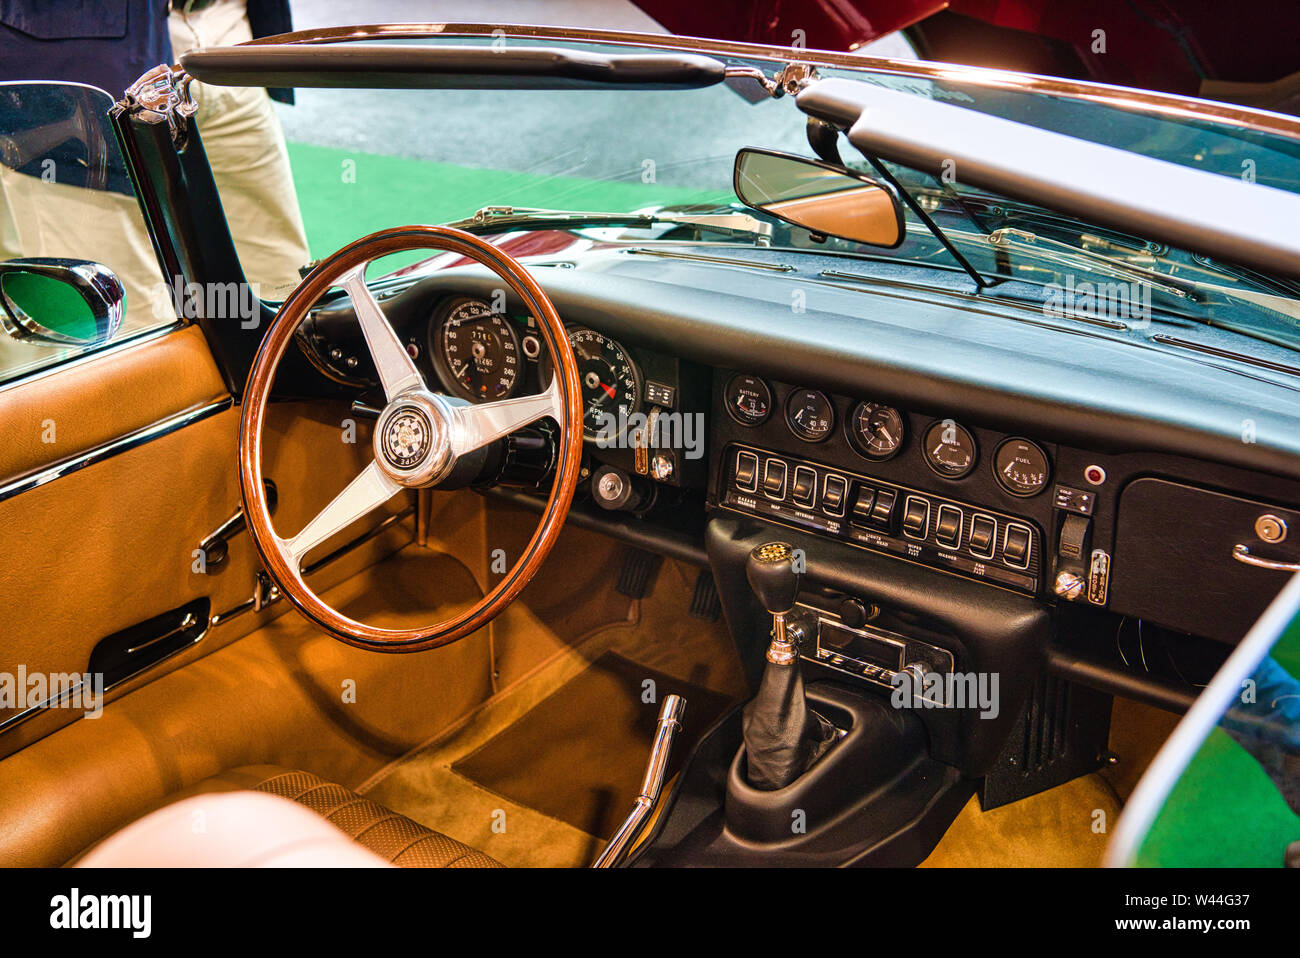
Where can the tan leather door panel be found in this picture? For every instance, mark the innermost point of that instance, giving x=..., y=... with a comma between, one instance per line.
x=100, y=548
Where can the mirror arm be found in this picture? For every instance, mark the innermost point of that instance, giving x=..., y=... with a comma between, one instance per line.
x=981, y=282
x=822, y=137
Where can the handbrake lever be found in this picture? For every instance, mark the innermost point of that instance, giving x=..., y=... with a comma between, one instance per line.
x=670, y=721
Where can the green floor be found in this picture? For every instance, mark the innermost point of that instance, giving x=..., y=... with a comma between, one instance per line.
x=347, y=194
x=1225, y=810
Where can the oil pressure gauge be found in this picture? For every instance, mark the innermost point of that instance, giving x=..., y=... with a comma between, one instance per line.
x=1021, y=467
x=809, y=414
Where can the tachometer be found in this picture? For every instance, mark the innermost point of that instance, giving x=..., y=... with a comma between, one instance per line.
x=478, y=350
x=1021, y=467
x=875, y=431
x=611, y=383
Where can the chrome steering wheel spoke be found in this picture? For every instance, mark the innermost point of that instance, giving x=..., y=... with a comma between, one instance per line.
x=477, y=426
x=397, y=370
x=367, y=492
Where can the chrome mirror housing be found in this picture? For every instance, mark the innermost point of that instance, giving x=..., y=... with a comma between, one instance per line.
x=60, y=302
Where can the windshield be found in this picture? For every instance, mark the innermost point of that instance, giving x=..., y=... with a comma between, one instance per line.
x=365, y=160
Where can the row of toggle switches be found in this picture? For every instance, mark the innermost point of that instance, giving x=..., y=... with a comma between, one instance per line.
x=773, y=476
x=877, y=508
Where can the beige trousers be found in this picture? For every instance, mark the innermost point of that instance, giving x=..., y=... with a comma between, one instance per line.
x=246, y=151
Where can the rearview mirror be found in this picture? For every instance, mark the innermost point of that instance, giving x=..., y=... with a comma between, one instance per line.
x=60, y=302
x=824, y=199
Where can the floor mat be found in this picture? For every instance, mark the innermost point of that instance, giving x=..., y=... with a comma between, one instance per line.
x=579, y=755
x=1063, y=827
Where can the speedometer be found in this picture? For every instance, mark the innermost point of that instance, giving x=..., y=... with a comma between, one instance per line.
x=611, y=383
x=478, y=350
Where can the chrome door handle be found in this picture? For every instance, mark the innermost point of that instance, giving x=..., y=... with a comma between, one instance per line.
x=1242, y=554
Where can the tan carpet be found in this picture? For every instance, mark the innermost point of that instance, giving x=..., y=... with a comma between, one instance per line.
x=1053, y=829
x=654, y=632
x=580, y=755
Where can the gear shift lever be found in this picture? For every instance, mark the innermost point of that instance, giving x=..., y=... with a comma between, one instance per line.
x=783, y=737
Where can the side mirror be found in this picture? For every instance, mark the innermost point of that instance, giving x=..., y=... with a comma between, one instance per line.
x=60, y=302
x=824, y=199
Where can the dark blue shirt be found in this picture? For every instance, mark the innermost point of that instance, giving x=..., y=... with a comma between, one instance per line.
x=106, y=43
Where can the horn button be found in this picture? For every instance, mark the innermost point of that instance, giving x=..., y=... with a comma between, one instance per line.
x=412, y=439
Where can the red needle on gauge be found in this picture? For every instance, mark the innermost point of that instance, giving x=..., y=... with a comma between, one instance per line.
x=608, y=391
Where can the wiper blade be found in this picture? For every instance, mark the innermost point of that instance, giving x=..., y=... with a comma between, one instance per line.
x=497, y=217
x=1064, y=254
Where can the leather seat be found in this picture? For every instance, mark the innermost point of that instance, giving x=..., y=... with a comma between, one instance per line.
x=390, y=837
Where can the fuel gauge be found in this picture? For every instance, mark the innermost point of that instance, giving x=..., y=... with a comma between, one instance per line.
x=1021, y=467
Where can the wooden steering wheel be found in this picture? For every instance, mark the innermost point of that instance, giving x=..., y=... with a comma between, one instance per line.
x=419, y=437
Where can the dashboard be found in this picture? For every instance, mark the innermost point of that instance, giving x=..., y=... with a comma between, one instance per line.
x=938, y=431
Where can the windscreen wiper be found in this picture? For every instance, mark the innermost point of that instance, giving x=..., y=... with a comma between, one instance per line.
x=491, y=218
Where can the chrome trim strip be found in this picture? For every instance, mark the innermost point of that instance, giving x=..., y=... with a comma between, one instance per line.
x=53, y=703
x=108, y=450
x=1226, y=354
x=716, y=260
x=1167, y=104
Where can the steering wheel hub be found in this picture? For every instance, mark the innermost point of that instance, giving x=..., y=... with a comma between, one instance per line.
x=412, y=439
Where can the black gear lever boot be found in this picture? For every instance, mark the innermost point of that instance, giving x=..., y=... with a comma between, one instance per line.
x=783, y=737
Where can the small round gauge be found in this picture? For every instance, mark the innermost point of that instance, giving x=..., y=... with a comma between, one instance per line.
x=875, y=431
x=949, y=449
x=1021, y=467
x=809, y=414
x=747, y=400
x=478, y=350
x=611, y=383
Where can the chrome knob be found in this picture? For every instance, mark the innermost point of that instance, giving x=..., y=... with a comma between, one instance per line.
x=1069, y=585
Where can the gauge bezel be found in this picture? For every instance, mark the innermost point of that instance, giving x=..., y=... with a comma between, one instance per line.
x=997, y=473
x=436, y=344
x=736, y=417
x=638, y=380
x=830, y=428
x=855, y=440
x=925, y=450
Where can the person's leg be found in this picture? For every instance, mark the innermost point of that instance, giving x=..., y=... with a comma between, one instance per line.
x=245, y=147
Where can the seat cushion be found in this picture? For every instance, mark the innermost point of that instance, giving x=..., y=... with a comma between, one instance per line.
x=250, y=833
x=393, y=837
